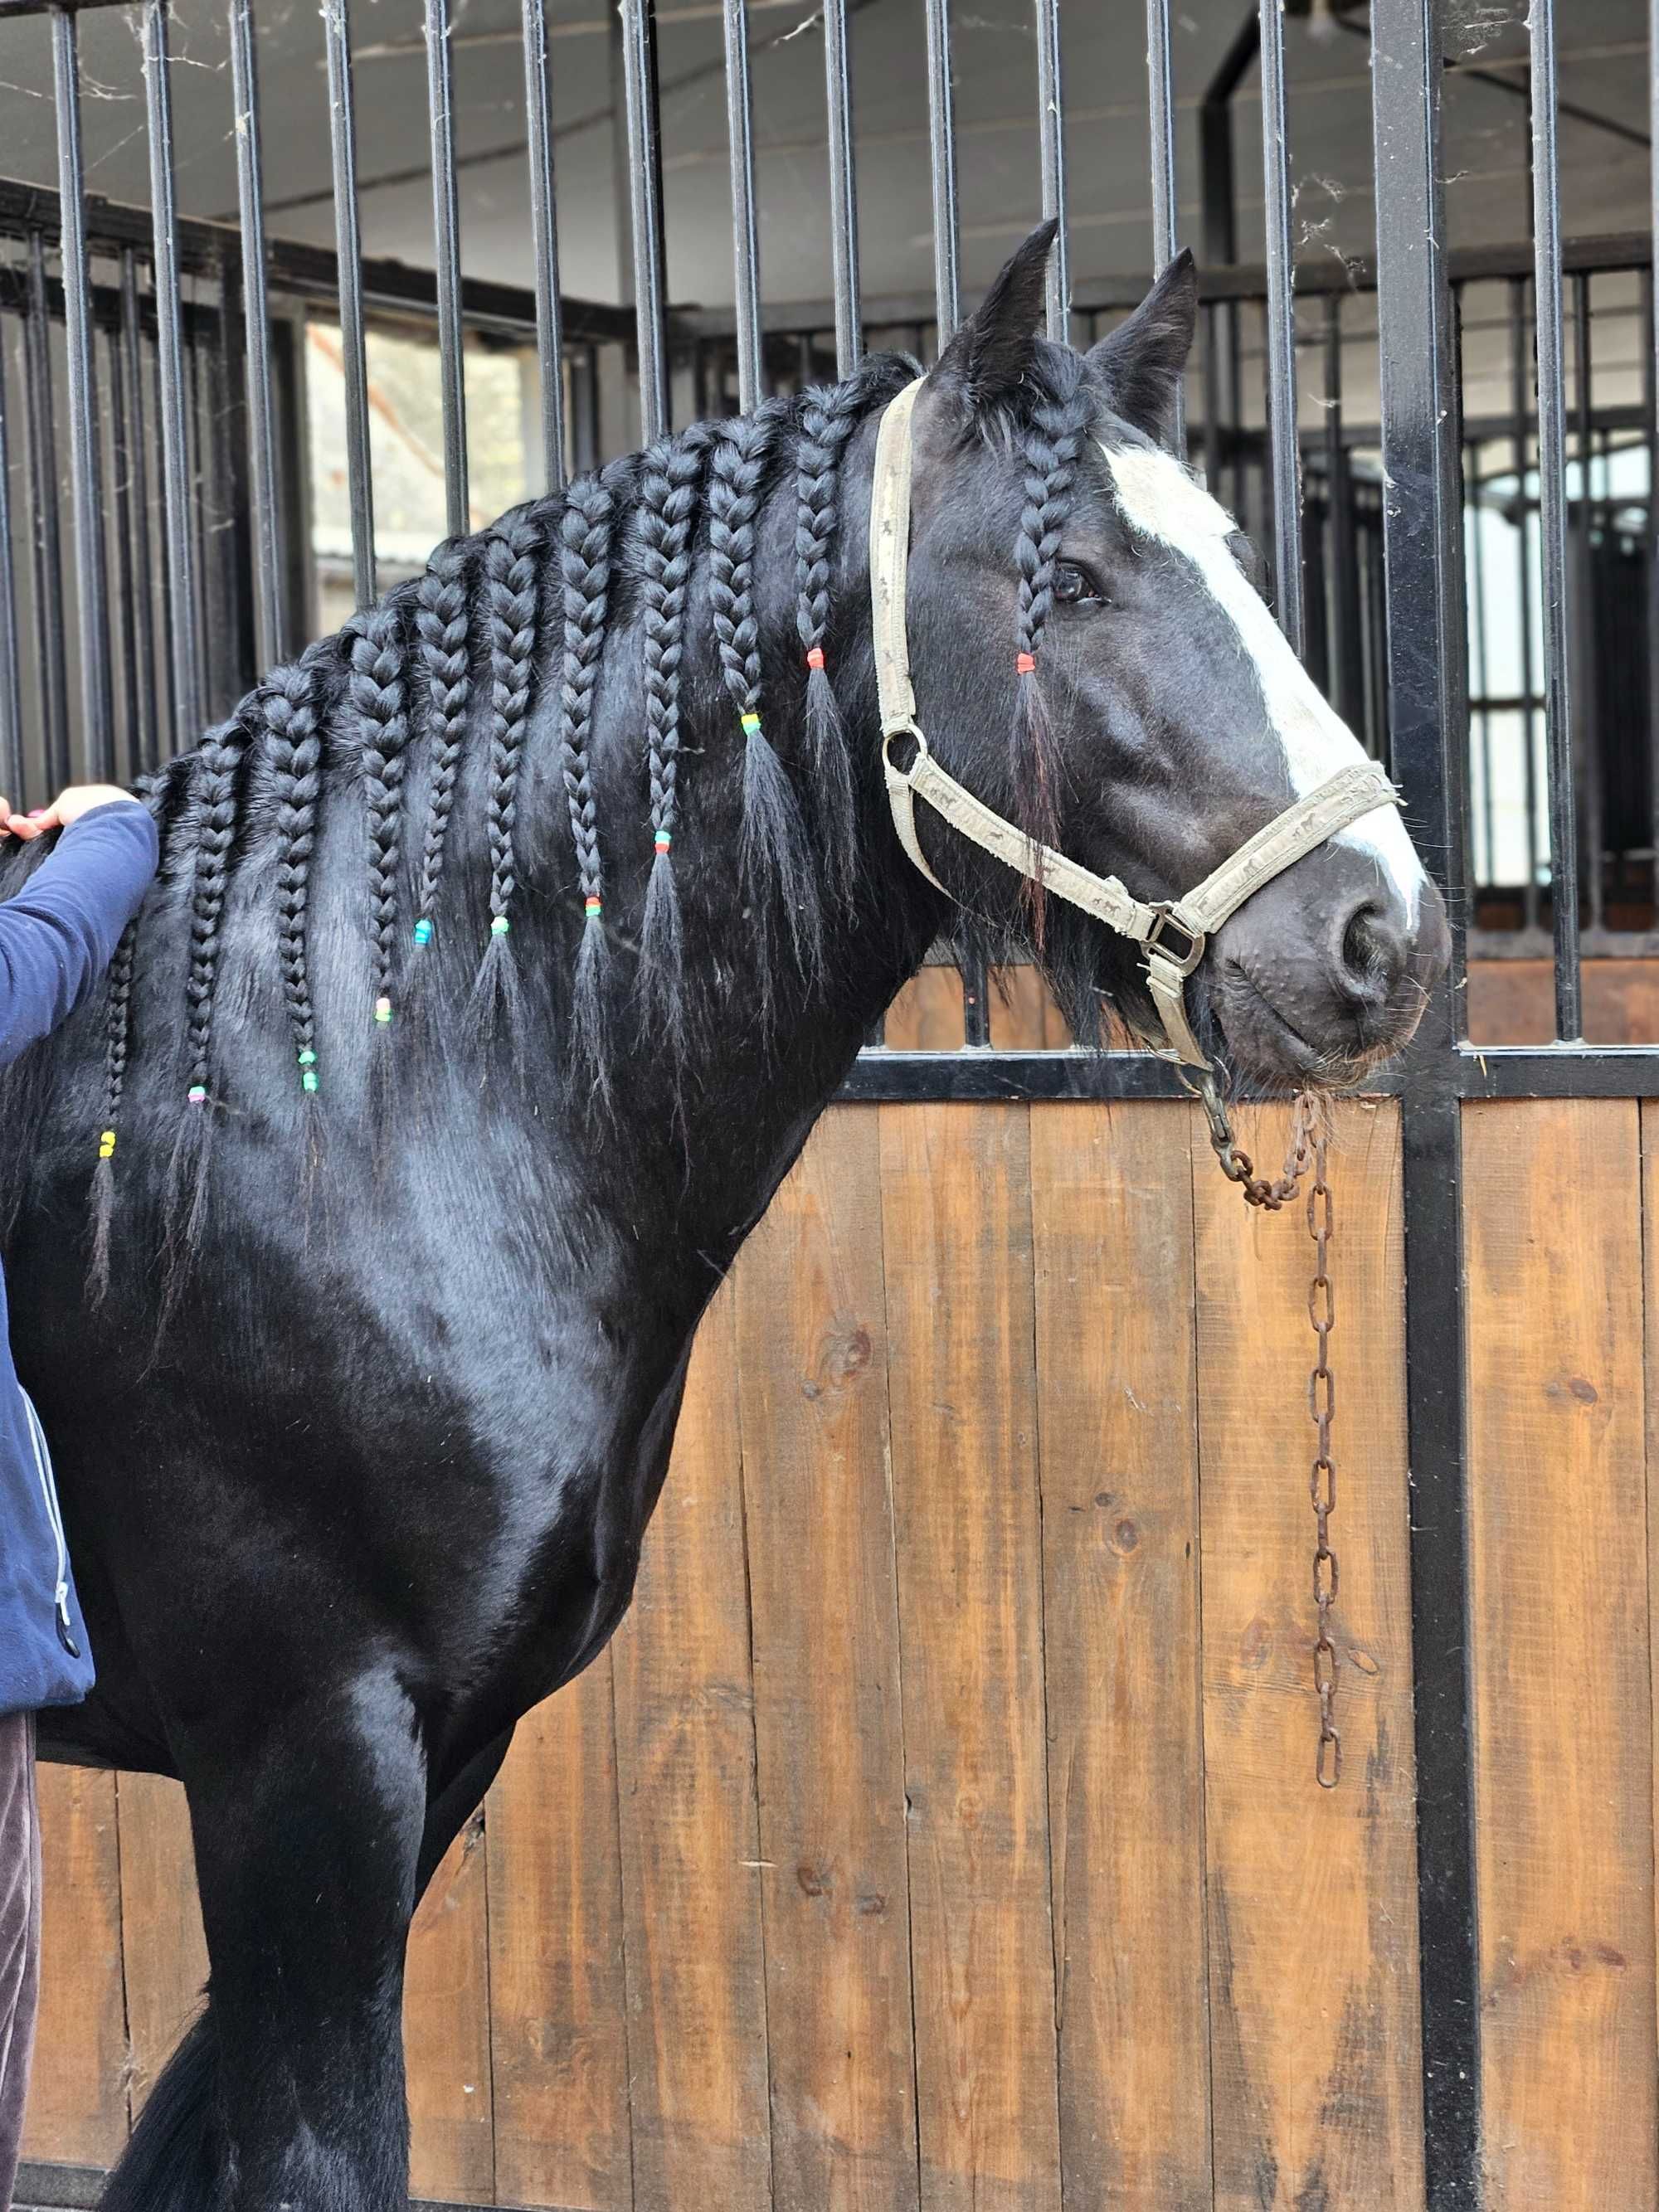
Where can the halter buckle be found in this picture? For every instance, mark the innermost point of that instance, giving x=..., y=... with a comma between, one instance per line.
x=1166, y=915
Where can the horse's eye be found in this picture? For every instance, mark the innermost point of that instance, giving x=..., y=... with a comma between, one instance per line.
x=1075, y=586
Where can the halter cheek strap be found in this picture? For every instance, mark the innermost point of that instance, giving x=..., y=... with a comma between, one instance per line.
x=913, y=773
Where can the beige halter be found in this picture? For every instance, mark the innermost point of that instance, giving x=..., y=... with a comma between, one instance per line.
x=1194, y=918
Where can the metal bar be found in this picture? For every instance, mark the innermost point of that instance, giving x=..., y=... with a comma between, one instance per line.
x=256, y=317
x=1345, y=578
x=1424, y=574
x=1518, y=357
x=639, y=42
x=1281, y=330
x=1051, y=138
x=446, y=246
x=48, y=544
x=942, y=157
x=127, y=573
x=1552, y=522
x=1165, y=204
x=745, y=246
x=843, y=191
x=976, y=1006
x=186, y=702
x=11, y=670
x=1588, y=762
x=229, y=547
x=129, y=372
x=544, y=232
x=91, y=580
x=348, y=254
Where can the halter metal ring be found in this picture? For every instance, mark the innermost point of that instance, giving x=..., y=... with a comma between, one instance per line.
x=1167, y=917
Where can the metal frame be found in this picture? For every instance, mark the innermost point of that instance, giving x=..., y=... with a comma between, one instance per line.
x=1418, y=665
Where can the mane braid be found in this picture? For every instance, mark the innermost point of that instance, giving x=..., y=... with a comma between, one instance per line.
x=828, y=417
x=509, y=562
x=671, y=474
x=441, y=623
x=293, y=748
x=776, y=860
x=1050, y=444
x=118, y=1017
x=378, y=700
x=586, y=529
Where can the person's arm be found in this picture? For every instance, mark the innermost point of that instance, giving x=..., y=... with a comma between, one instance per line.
x=59, y=934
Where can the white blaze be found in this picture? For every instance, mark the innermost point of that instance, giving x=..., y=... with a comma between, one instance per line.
x=1161, y=501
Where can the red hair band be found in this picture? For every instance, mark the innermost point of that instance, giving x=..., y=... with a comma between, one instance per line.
x=1025, y=663
x=815, y=656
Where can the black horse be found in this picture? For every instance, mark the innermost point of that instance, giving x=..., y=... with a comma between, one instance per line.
x=362, y=1346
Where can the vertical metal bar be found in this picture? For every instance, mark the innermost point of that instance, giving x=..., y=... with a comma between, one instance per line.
x=91, y=581
x=843, y=191
x=1650, y=409
x=975, y=1006
x=745, y=247
x=11, y=672
x=129, y=372
x=639, y=37
x=1552, y=522
x=261, y=435
x=585, y=407
x=447, y=243
x=1344, y=592
x=349, y=251
x=1286, y=459
x=186, y=702
x=942, y=155
x=48, y=544
x=1165, y=207
x=1518, y=417
x=127, y=572
x=1051, y=138
x=1421, y=517
x=234, y=623
x=544, y=232
x=1588, y=762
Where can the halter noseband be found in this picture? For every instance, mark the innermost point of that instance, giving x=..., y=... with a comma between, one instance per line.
x=1193, y=919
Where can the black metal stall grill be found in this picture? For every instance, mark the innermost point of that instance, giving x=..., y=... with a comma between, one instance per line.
x=205, y=581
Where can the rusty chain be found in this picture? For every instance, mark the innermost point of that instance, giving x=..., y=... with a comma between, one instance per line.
x=1309, y=1130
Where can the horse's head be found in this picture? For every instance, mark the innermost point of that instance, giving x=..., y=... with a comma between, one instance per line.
x=1092, y=660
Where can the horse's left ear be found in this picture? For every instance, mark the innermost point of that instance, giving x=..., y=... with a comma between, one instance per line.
x=987, y=358
x=1141, y=361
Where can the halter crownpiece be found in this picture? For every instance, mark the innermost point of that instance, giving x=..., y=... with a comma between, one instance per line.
x=1173, y=933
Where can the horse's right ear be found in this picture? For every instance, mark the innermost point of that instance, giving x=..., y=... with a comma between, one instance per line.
x=991, y=353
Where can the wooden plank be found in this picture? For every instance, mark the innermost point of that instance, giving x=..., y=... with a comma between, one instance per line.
x=77, y=2111
x=166, y=1963
x=1312, y=1893
x=690, y=1851
x=811, y=1329
x=559, y=2034
x=956, y=1215
x=1560, y=1646
x=447, y=2030
x=1513, y=1001
x=1112, y=1217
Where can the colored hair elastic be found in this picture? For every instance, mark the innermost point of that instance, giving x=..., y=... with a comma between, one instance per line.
x=383, y=1010
x=815, y=656
x=197, y=1094
x=423, y=932
x=1025, y=663
x=106, y=1143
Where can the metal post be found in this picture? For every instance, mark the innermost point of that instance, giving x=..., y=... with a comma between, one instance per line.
x=48, y=544
x=91, y=582
x=544, y=225
x=131, y=372
x=1553, y=522
x=348, y=252
x=1425, y=585
x=639, y=41
x=843, y=191
x=942, y=156
x=1588, y=764
x=1286, y=459
x=186, y=685
x=261, y=435
x=745, y=249
x=446, y=245
x=1160, y=106
x=1051, y=138
x=11, y=673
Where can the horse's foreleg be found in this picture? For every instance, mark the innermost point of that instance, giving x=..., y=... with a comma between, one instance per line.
x=290, y=2096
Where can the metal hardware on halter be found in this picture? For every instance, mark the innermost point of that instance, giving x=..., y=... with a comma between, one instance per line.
x=1354, y=791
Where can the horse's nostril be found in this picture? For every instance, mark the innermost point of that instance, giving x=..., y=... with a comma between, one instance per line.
x=1372, y=952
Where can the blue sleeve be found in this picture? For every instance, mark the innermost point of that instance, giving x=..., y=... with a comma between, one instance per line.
x=59, y=934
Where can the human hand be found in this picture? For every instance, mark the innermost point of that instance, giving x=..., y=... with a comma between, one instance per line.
x=68, y=807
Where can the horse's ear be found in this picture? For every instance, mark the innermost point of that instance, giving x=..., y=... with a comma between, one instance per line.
x=991, y=351
x=1141, y=361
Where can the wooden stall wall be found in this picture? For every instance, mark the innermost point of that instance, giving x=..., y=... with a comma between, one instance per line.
x=941, y=1829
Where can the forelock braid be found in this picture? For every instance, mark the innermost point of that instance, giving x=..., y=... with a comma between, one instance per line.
x=292, y=748
x=671, y=476
x=510, y=605
x=828, y=417
x=776, y=858
x=380, y=701
x=584, y=558
x=441, y=623
x=1050, y=443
